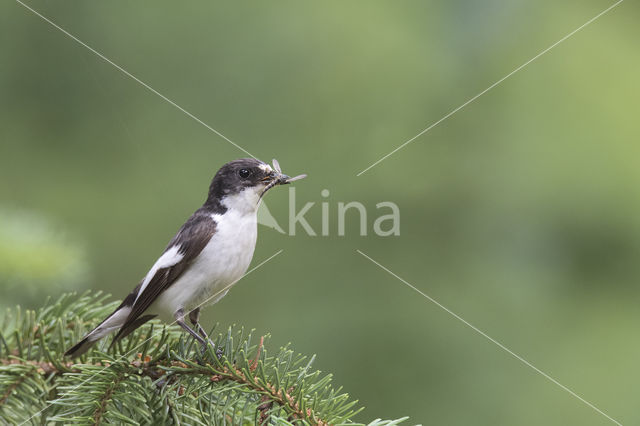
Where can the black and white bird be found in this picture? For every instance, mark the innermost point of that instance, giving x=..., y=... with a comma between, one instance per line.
x=210, y=252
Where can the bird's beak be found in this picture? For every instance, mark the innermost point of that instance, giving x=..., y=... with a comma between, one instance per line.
x=276, y=177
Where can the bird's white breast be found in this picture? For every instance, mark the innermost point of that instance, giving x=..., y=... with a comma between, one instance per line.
x=223, y=261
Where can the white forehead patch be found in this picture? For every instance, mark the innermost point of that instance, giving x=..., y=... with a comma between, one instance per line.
x=265, y=167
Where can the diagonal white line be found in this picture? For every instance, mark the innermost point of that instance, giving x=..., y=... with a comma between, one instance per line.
x=492, y=340
x=152, y=336
x=133, y=77
x=491, y=87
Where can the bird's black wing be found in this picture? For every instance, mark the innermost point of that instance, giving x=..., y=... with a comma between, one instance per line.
x=190, y=240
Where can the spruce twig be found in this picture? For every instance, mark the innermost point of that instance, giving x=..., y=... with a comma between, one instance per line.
x=169, y=381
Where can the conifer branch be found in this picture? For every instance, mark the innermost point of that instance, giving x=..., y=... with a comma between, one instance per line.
x=154, y=376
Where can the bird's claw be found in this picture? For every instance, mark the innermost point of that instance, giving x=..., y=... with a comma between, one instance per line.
x=205, y=347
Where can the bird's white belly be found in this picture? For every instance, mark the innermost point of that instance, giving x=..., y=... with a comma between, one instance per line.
x=222, y=262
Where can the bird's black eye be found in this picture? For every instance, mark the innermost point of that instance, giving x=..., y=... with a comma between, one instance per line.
x=244, y=173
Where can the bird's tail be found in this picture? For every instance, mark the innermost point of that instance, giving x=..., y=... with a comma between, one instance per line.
x=81, y=347
x=112, y=323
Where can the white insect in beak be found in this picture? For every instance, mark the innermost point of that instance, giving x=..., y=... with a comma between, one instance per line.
x=284, y=178
x=280, y=178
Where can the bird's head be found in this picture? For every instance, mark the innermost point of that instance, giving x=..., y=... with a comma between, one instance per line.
x=241, y=183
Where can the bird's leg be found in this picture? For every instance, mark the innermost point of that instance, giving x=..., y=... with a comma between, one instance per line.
x=194, y=317
x=179, y=316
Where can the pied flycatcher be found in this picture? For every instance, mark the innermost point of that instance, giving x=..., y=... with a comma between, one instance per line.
x=210, y=252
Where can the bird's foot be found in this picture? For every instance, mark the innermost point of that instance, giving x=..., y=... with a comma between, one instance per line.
x=218, y=351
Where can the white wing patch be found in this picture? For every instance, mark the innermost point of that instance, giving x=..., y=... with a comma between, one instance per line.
x=168, y=258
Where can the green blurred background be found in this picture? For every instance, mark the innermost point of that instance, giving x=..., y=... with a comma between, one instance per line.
x=521, y=212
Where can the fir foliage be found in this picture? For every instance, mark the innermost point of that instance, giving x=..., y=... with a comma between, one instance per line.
x=155, y=376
